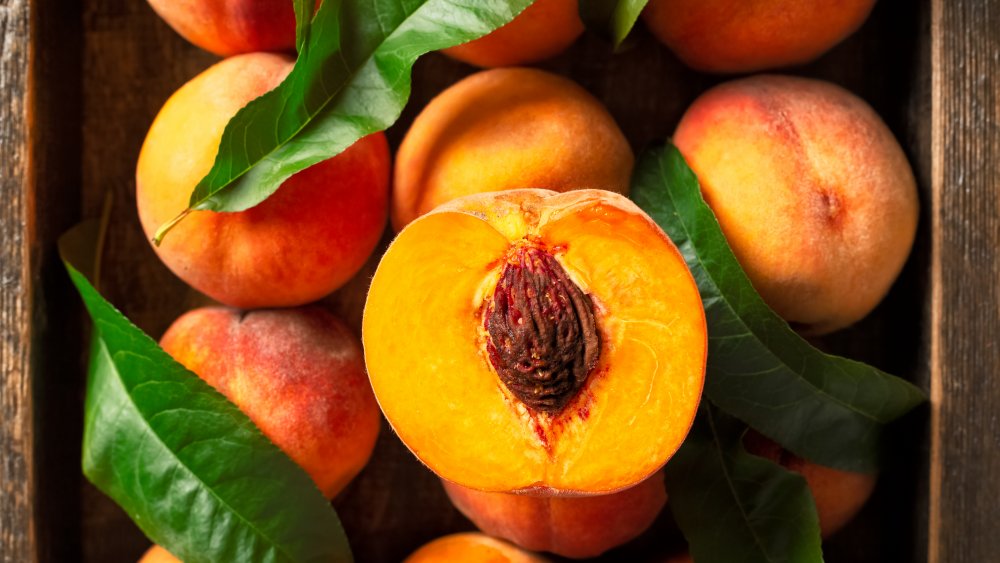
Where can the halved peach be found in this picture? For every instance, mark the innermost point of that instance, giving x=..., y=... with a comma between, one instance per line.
x=528, y=340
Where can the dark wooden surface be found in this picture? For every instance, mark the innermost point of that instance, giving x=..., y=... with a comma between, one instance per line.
x=101, y=70
x=965, y=276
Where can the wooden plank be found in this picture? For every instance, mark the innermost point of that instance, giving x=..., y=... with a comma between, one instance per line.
x=16, y=485
x=57, y=361
x=965, y=426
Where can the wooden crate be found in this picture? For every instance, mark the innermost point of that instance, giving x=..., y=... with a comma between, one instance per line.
x=79, y=85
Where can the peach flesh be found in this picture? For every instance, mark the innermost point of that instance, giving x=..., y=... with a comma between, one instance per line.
x=650, y=369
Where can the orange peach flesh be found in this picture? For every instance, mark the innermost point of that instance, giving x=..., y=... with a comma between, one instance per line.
x=543, y=30
x=231, y=27
x=157, y=554
x=575, y=527
x=300, y=244
x=298, y=374
x=440, y=393
x=507, y=129
x=750, y=35
x=814, y=194
x=471, y=548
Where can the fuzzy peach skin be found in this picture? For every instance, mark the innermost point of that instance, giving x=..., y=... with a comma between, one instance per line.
x=505, y=129
x=543, y=30
x=748, y=35
x=813, y=192
x=157, y=554
x=230, y=27
x=298, y=374
x=471, y=548
x=576, y=527
x=300, y=244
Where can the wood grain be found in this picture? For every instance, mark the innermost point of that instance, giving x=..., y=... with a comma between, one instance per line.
x=965, y=353
x=16, y=431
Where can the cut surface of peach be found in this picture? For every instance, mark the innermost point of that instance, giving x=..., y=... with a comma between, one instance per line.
x=533, y=341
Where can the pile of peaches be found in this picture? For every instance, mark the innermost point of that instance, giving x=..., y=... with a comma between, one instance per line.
x=530, y=334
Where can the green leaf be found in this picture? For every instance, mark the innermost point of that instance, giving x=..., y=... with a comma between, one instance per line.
x=303, y=19
x=191, y=470
x=352, y=78
x=824, y=408
x=612, y=18
x=733, y=506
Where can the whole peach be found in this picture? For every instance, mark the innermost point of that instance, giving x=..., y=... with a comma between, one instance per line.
x=544, y=29
x=298, y=374
x=839, y=495
x=812, y=191
x=471, y=548
x=575, y=527
x=300, y=244
x=233, y=26
x=157, y=554
x=748, y=35
x=505, y=129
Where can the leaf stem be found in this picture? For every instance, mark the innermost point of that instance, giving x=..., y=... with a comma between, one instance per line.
x=165, y=228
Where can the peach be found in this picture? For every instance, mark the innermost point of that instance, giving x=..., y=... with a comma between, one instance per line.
x=511, y=336
x=575, y=527
x=471, y=548
x=300, y=244
x=839, y=495
x=298, y=374
x=505, y=129
x=157, y=554
x=543, y=30
x=233, y=26
x=813, y=193
x=748, y=35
